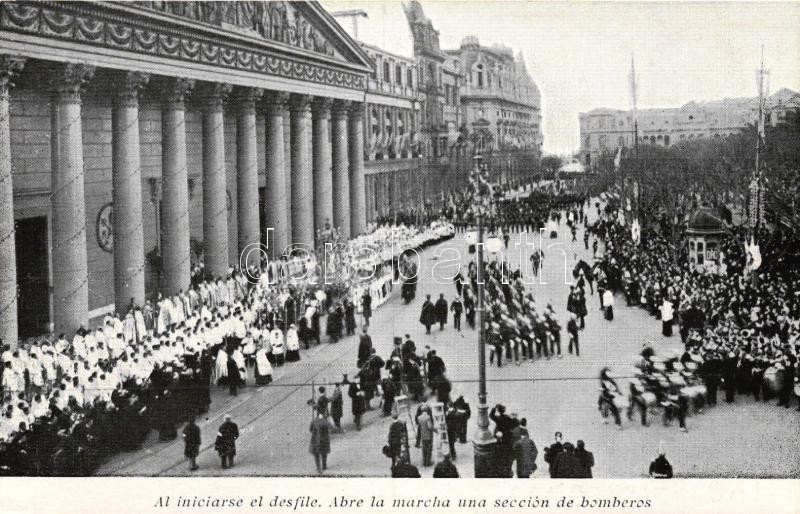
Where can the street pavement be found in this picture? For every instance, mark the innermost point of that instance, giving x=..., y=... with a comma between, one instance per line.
x=744, y=439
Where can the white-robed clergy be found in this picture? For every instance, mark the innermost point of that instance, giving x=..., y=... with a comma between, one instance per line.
x=667, y=315
x=608, y=304
x=221, y=368
x=164, y=315
x=276, y=341
x=292, y=344
x=129, y=328
x=249, y=347
x=263, y=367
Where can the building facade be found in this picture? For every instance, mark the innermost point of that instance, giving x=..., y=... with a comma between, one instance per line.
x=501, y=105
x=137, y=138
x=605, y=130
x=391, y=143
x=476, y=99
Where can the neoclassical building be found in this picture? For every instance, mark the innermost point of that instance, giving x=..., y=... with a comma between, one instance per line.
x=136, y=136
x=604, y=130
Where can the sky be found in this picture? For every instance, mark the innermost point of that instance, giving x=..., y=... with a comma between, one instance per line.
x=579, y=53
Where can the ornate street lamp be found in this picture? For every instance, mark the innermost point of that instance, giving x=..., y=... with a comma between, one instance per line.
x=483, y=441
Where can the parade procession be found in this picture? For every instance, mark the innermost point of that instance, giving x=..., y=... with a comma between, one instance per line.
x=265, y=238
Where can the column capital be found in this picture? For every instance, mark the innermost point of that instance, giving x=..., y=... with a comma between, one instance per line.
x=356, y=111
x=341, y=109
x=10, y=65
x=68, y=79
x=300, y=103
x=175, y=91
x=129, y=86
x=247, y=97
x=322, y=105
x=212, y=95
x=276, y=100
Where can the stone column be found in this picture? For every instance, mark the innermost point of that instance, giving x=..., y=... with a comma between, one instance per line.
x=341, y=172
x=277, y=202
x=70, y=269
x=126, y=189
x=215, y=185
x=323, y=187
x=358, y=224
x=287, y=166
x=302, y=174
x=9, y=327
x=175, y=253
x=249, y=231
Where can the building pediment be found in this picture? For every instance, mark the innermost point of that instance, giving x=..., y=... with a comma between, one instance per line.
x=297, y=40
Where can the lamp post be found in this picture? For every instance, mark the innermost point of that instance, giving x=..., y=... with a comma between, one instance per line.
x=483, y=441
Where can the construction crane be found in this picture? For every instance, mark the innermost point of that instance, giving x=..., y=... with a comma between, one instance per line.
x=354, y=15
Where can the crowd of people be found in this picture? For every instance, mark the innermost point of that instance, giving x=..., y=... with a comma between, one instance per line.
x=741, y=334
x=69, y=402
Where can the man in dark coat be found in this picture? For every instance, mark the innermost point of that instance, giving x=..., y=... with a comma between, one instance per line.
x=350, y=317
x=366, y=306
x=457, y=308
x=320, y=444
x=405, y=470
x=436, y=366
x=572, y=329
x=441, y=311
x=464, y=414
x=428, y=315
x=358, y=402
x=389, y=392
x=552, y=452
x=525, y=454
x=585, y=460
x=337, y=408
x=503, y=425
x=233, y=377
x=226, y=441
x=445, y=468
x=660, y=468
x=398, y=437
x=364, y=347
x=566, y=463
x=191, y=440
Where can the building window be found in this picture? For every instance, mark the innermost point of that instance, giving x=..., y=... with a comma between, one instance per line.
x=666, y=140
x=410, y=77
x=480, y=75
x=621, y=141
x=398, y=75
x=386, y=76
